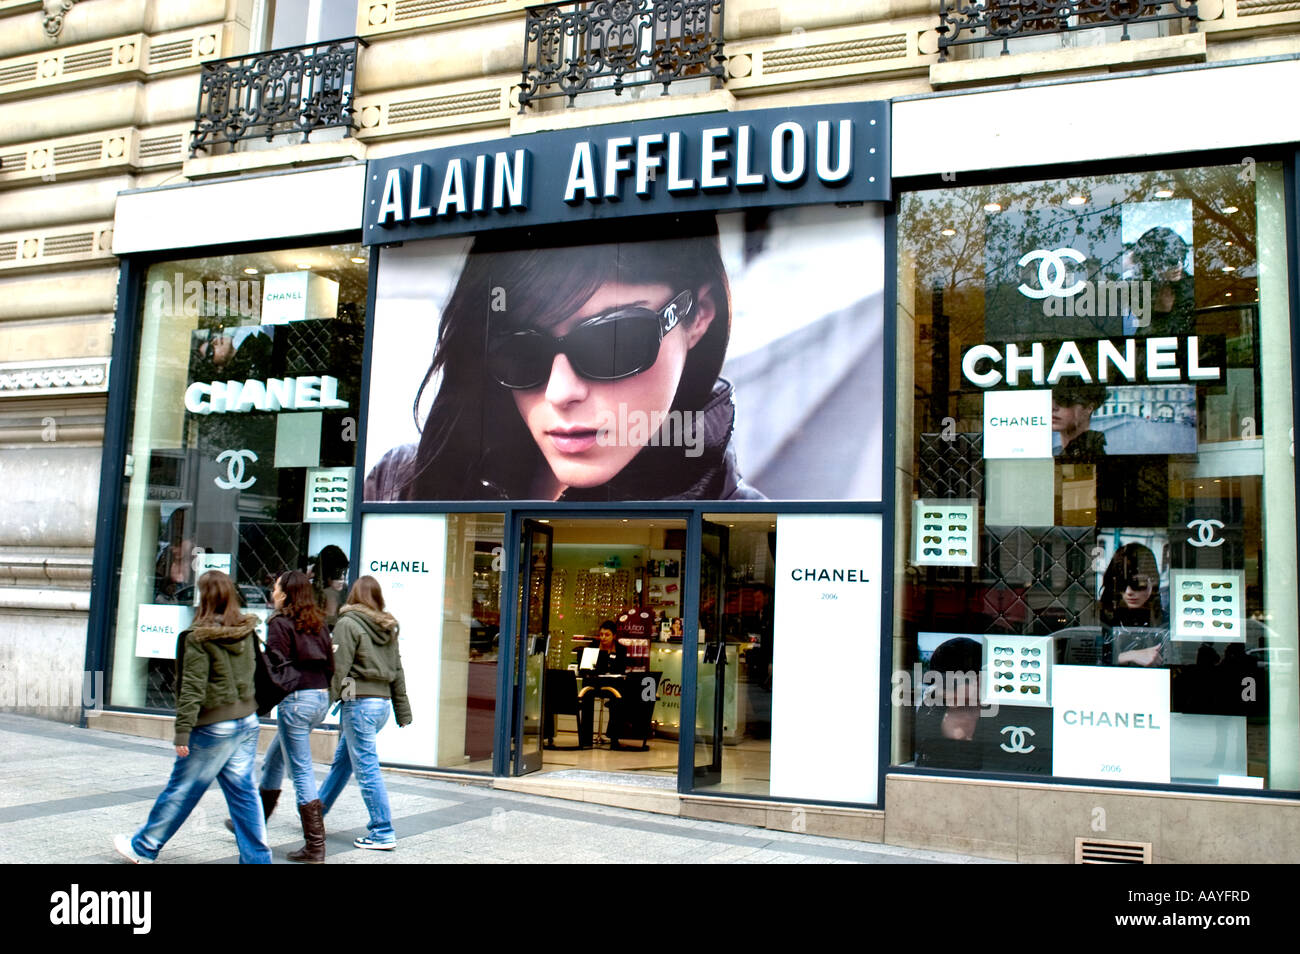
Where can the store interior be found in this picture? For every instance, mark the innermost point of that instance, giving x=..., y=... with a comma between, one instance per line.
x=630, y=572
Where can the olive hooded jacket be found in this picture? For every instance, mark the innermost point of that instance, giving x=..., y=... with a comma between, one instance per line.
x=366, y=660
x=216, y=665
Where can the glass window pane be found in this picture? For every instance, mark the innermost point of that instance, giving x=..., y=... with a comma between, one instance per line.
x=1099, y=384
x=241, y=442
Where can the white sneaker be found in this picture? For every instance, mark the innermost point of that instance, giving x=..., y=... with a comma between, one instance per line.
x=123, y=845
x=364, y=842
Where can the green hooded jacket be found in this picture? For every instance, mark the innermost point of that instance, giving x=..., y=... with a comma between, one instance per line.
x=366, y=660
x=216, y=666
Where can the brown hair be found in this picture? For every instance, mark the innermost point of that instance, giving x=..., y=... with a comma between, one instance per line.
x=366, y=592
x=300, y=602
x=219, y=602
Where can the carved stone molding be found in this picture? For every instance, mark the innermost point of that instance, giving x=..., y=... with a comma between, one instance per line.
x=39, y=378
x=55, y=10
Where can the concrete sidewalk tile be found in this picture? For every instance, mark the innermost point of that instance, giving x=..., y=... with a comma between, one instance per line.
x=65, y=791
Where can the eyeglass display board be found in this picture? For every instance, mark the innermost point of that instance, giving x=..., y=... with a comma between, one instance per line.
x=1207, y=605
x=944, y=532
x=329, y=495
x=1018, y=670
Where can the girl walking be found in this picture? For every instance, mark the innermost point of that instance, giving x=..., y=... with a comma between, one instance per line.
x=216, y=728
x=369, y=682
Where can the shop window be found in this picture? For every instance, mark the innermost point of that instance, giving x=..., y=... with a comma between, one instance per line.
x=1095, y=415
x=240, y=443
x=441, y=578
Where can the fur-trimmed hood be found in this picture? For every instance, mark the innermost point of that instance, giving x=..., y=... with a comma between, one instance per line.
x=383, y=627
x=236, y=634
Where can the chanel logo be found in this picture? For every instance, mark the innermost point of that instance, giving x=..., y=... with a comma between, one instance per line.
x=1051, y=273
x=1018, y=733
x=234, y=479
x=670, y=317
x=1205, y=531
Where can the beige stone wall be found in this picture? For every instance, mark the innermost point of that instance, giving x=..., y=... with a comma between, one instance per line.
x=104, y=104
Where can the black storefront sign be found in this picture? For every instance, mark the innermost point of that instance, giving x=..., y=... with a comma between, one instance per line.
x=711, y=162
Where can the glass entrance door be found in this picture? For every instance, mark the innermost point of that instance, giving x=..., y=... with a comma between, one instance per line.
x=712, y=655
x=532, y=632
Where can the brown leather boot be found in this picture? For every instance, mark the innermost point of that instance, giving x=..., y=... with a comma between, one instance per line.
x=313, y=830
x=269, y=797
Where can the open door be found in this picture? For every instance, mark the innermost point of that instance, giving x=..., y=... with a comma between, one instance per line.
x=534, y=626
x=711, y=668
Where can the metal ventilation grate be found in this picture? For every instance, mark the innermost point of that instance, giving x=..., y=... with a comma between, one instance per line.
x=1100, y=851
x=171, y=52
x=88, y=60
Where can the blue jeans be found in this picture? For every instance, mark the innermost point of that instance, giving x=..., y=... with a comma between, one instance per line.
x=360, y=722
x=298, y=714
x=224, y=751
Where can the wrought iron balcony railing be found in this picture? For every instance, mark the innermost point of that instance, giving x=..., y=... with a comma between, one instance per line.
x=574, y=48
x=294, y=90
x=985, y=21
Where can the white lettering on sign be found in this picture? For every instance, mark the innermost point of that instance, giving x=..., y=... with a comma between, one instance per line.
x=616, y=163
x=582, y=174
x=646, y=164
x=1161, y=362
x=509, y=173
x=712, y=156
x=274, y=394
x=746, y=177
x=596, y=173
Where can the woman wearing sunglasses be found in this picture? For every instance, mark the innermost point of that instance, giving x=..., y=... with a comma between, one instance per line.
x=579, y=372
x=1133, y=621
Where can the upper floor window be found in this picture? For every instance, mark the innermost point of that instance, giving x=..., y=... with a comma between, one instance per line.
x=286, y=23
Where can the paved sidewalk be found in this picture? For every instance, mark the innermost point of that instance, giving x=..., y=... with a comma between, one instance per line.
x=64, y=793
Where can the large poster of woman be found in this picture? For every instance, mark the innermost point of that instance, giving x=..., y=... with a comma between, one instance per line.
x=725, y=357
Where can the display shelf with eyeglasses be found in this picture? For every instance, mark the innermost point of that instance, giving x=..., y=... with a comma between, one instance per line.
x=329, y=495
x=1019, y=670
x=945, y=532
x=1207, y=606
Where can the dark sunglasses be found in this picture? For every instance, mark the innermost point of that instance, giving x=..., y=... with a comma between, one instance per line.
x=606, y=347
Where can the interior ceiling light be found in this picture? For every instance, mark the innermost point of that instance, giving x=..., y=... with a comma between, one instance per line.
x=357, y=260
x=992, y=207
x=1077, y=199
x=304, y=265
x=949, y=232
x=250, y=271
x=1229, y=209
x=1164, y=192
x=1229, y=268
